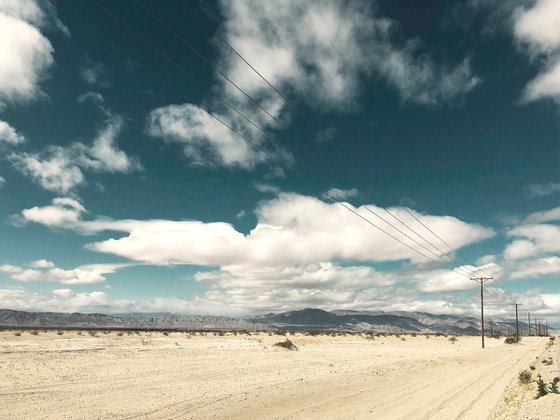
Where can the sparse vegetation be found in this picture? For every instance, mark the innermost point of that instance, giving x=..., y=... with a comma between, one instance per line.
x=165, y=333
x=17, y=333
x=512, y=340
x=287, y=344
x=453, y=340
x=34, y=332
x=92, y=333
x=547, y=362
x=120, y=334
x=525, y=376
x=541, y=388
x=532, y=367
x=60, y=332
x=554, y=385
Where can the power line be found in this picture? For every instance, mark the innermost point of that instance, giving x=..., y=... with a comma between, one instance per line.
x=167, y=58
x=245, y=138
x=313, y=125
x=221, y=73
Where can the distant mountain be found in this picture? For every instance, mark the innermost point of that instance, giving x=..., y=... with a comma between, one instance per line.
x=419, y=322
x=303, y=320
x=9, y=318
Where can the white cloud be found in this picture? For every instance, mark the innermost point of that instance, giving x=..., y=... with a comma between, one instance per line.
x=536, y=239
x=537, y=28
x=94, y=73
x=339, y=194
x=2, y=181
x=543, y=190
x=26, y=53
x=551, y=215
x=520, y=249
x=60, y=169
x=537, y=268
x=46, y=271
x=319, y=52
x=265, y=188
x=205, y=140
x=54, y=169
x=41, y=264
x=443, y=280
x=9, y=134
x=63, y=212
x=291, y=229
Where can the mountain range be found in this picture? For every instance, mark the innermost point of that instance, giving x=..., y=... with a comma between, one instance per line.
x=302, y=320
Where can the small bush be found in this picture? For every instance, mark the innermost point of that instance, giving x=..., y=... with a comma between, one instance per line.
x=92, y=333
x=553, y=387
x=34, y=332
x=452, y=340
x=532, y=367
x=287, y=344
x=17, y=333
x=511, y=340
x=547, y=362
x=59, y=332
x=541, y=388
x=165, y=333
x=525, y=376
x=120, y=334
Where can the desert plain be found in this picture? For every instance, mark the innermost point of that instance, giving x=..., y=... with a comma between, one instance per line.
x=188, y=375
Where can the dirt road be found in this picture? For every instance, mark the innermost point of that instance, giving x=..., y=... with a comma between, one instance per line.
x=246, y=376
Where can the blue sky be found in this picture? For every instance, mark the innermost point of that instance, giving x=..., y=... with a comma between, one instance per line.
x=147, y=167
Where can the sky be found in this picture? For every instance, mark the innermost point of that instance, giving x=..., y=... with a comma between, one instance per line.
x=245, y=157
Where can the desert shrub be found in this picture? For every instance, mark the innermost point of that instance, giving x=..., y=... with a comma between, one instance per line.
x=79, y=333
x=120, y=334
x=452, y=340
x=92, y=333
x=427, y=336
x=59, y=332
x=413, y=334
x=287, y=344
x=541, y=388
x=525, y=376
x=511, y=340
x=403, y=339
x=165, y=333
x=553, y=387
x=532, y=367
x=17, y=333
x=547, y=362
x=34, y=332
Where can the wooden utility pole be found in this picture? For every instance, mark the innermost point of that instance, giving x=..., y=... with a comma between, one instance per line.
x=481, y=281
x=529, y=323
x=517, y=320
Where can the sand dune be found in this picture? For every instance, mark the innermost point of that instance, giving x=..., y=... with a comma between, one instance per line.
x=150, y=375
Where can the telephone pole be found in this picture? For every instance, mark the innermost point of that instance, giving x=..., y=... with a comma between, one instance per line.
x=481, y=281
x=517, y=319
x=529, y=323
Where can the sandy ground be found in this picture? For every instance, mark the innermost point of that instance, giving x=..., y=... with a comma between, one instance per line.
x=150, y=375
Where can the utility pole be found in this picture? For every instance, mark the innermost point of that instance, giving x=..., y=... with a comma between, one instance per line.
x=529, y=323
x=481, y=281
x=517, y=320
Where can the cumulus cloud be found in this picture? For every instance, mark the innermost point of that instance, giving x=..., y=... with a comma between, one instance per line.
x=46, y=271
x=60, y=169
x=291, y=229
x=9, y=134
x=204, y=139
x=535, y=239
x=536, y=268
x=26, y=53
x=537, y=29
x=459, y=279
x=319, y=53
